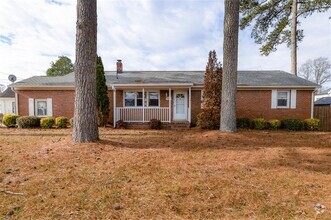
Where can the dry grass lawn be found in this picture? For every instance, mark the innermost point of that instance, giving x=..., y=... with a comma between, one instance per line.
x=134, y=174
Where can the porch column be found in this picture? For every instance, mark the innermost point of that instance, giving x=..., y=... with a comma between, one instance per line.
x=189, y=104
x=169, y=99
x=143, y=105
x=114, y=105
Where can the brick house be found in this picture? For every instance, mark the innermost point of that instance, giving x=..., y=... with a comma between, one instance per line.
x=170, y=96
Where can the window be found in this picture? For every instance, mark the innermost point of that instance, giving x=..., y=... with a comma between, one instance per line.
x=41, y=107
x=283, y=99
x=140, y=99
x=153, y=99
x=129, y=99
x=13, y=107
x=135, y=99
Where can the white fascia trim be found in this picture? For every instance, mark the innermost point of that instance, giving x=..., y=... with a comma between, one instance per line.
x=44, y=88
x=277, y=87
x=187, y=85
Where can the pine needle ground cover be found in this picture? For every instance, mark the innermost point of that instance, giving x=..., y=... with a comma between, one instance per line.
x=134, y=174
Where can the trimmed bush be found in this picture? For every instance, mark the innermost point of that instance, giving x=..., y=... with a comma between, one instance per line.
x=71, y=122
x=311, y=124
x=258, y=123
x=155, y=124
x=292, y=124
x=47, y=122
x=274, y=124
x=9, y=120
x=209, y=119
x=243, y=123
x=121, y=124
x=28, y=122
x=61, y=122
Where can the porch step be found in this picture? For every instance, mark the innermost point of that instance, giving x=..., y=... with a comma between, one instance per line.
x=180, y=125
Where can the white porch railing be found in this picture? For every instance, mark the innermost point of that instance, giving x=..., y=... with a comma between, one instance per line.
x=140, y=114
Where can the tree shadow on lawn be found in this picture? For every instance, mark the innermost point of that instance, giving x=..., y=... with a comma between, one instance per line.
x=301, y=159
x=215, y=140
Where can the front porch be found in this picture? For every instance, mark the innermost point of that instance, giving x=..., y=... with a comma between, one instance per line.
x=139, y=106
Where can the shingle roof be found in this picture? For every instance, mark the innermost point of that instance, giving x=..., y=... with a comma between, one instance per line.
x=323, y=101
x=8, y=93
x=245, y=78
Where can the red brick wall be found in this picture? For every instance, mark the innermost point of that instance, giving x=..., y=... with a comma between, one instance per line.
x=62, y=100
x=250, y=103
x=196, y=105
x=257, y=103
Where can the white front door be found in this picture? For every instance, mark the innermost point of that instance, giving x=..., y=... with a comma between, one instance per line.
x=180, y=105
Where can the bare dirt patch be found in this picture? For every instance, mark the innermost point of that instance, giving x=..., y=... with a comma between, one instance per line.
x=133, y=174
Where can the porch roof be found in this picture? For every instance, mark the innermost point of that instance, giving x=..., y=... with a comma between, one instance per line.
x=273, y=78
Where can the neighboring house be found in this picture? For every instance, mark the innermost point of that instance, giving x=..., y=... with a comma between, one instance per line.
x=7, y=102
x=323, y=93
x=170, y=96
x=323, y=101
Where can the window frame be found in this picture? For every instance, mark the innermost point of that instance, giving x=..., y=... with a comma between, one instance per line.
x=288, y=98
x=36, y=107
x=146, y=98
x=13, y=107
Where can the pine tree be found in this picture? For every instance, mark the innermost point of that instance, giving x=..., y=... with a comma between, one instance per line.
x=61, y=67
x=210, y=116
x=102, y=94
x=276, y=22
x=85, y=119
x=230, y=63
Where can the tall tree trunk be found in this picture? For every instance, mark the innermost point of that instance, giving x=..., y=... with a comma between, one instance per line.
x=230, y=64
x=294, y=37
x=85, y=119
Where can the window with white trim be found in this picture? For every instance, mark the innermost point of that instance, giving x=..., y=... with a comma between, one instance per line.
x=283, y=99
x=135, y=99
x=153, y=99
x=41, y=107
x=129, y=99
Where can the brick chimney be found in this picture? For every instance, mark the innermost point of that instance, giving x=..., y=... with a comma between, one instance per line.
x=119, y=66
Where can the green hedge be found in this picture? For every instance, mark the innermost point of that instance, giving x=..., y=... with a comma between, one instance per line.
x=292, y=124
x=28, y=122
x=259, y=123
x=274, y=124
x=9, y=120
x=312, y=124
x=243, y=123
x=47, y=122
x=61, y=122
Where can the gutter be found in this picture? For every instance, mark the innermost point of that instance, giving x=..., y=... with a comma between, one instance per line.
x=16, y=100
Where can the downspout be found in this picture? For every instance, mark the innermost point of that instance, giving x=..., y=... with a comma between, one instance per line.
x=312, y=104
x=114, y=106
x=16, y=100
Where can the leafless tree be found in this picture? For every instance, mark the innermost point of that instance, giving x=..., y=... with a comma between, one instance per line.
x=2, y=87
x=317, y=70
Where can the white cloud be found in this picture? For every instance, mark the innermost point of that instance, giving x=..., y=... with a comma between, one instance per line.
x=145, y=34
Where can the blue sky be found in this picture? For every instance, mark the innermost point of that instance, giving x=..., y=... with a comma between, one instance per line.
x=145, y=34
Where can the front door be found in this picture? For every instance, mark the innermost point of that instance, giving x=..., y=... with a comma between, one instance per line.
x=180, y=105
